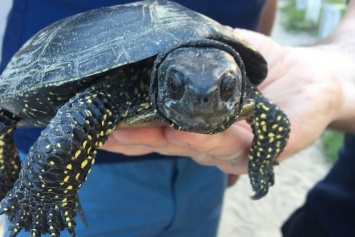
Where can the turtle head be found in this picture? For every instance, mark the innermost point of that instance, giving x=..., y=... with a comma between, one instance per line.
x=198, y=86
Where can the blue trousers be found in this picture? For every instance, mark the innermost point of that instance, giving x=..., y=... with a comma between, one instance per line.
x=171, y=197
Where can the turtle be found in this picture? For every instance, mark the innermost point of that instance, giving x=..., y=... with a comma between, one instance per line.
x=147, y=63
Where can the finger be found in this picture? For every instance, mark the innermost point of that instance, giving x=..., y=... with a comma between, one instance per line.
x=143, y=141
x=129, y=150
x=147, y=136
x=275, y=55
x=228, y=150
x=232, y=179
x=234, y=142
x=265, y=45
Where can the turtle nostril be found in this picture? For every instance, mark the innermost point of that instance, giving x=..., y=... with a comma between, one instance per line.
x=202, y=100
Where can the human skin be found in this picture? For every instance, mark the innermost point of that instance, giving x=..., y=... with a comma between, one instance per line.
x=314, y=86
x=267, y=17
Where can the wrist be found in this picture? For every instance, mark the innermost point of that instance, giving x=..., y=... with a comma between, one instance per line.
x=339, y=62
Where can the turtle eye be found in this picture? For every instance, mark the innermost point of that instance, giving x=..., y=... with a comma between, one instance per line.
x=228, y=85
x=176, y=85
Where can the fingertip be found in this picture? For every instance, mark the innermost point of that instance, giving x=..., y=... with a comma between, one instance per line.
x=236, y=138
x=138, y=135
x=196, y=141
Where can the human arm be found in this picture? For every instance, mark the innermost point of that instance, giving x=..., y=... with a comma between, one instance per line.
x=342, y=41
x=267, y=17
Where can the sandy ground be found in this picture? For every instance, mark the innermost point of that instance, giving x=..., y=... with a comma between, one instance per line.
x=243, y=217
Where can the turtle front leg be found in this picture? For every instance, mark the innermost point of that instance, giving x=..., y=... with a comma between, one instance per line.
x=9, y=159
x=271, y=131
x=44, y=197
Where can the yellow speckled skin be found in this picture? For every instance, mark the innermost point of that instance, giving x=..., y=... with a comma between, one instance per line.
x=58, y=163
x=9, y=160
x=271, y=130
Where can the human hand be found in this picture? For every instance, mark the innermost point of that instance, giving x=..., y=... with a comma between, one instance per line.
x=302, y=81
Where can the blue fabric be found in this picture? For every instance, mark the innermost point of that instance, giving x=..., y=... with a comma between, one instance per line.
x=332, y=200
x=330, y=205
x=155, y=195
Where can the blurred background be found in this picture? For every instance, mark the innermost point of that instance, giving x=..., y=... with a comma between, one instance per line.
x=299, y=22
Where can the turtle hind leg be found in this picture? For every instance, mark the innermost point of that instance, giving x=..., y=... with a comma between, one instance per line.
x=9, y=159
x=271, y=131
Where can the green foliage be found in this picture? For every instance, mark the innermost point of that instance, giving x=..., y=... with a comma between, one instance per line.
x=335, y=1
x=332, y=141
x=295, y=18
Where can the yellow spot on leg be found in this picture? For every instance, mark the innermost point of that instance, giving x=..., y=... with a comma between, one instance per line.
x=84, y=163
x=66, y=179
x=77, y=153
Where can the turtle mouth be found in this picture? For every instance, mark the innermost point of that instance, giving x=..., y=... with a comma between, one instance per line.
x=197, y=118
x=201, y=124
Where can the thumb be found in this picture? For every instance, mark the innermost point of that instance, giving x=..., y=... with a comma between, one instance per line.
x=271, y=50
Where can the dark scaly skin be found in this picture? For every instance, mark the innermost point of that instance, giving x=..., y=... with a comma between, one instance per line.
x=9, y=159
x=271, y=130
x=44, y=198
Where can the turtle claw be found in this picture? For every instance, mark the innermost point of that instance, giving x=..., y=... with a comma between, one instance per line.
x=13, y=233
x=71, y=231
x=262, y=183
x=35, y=233
x=259, y=194
x=26, y=211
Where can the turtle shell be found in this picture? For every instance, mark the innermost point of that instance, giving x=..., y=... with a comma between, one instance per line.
x=62, y=55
